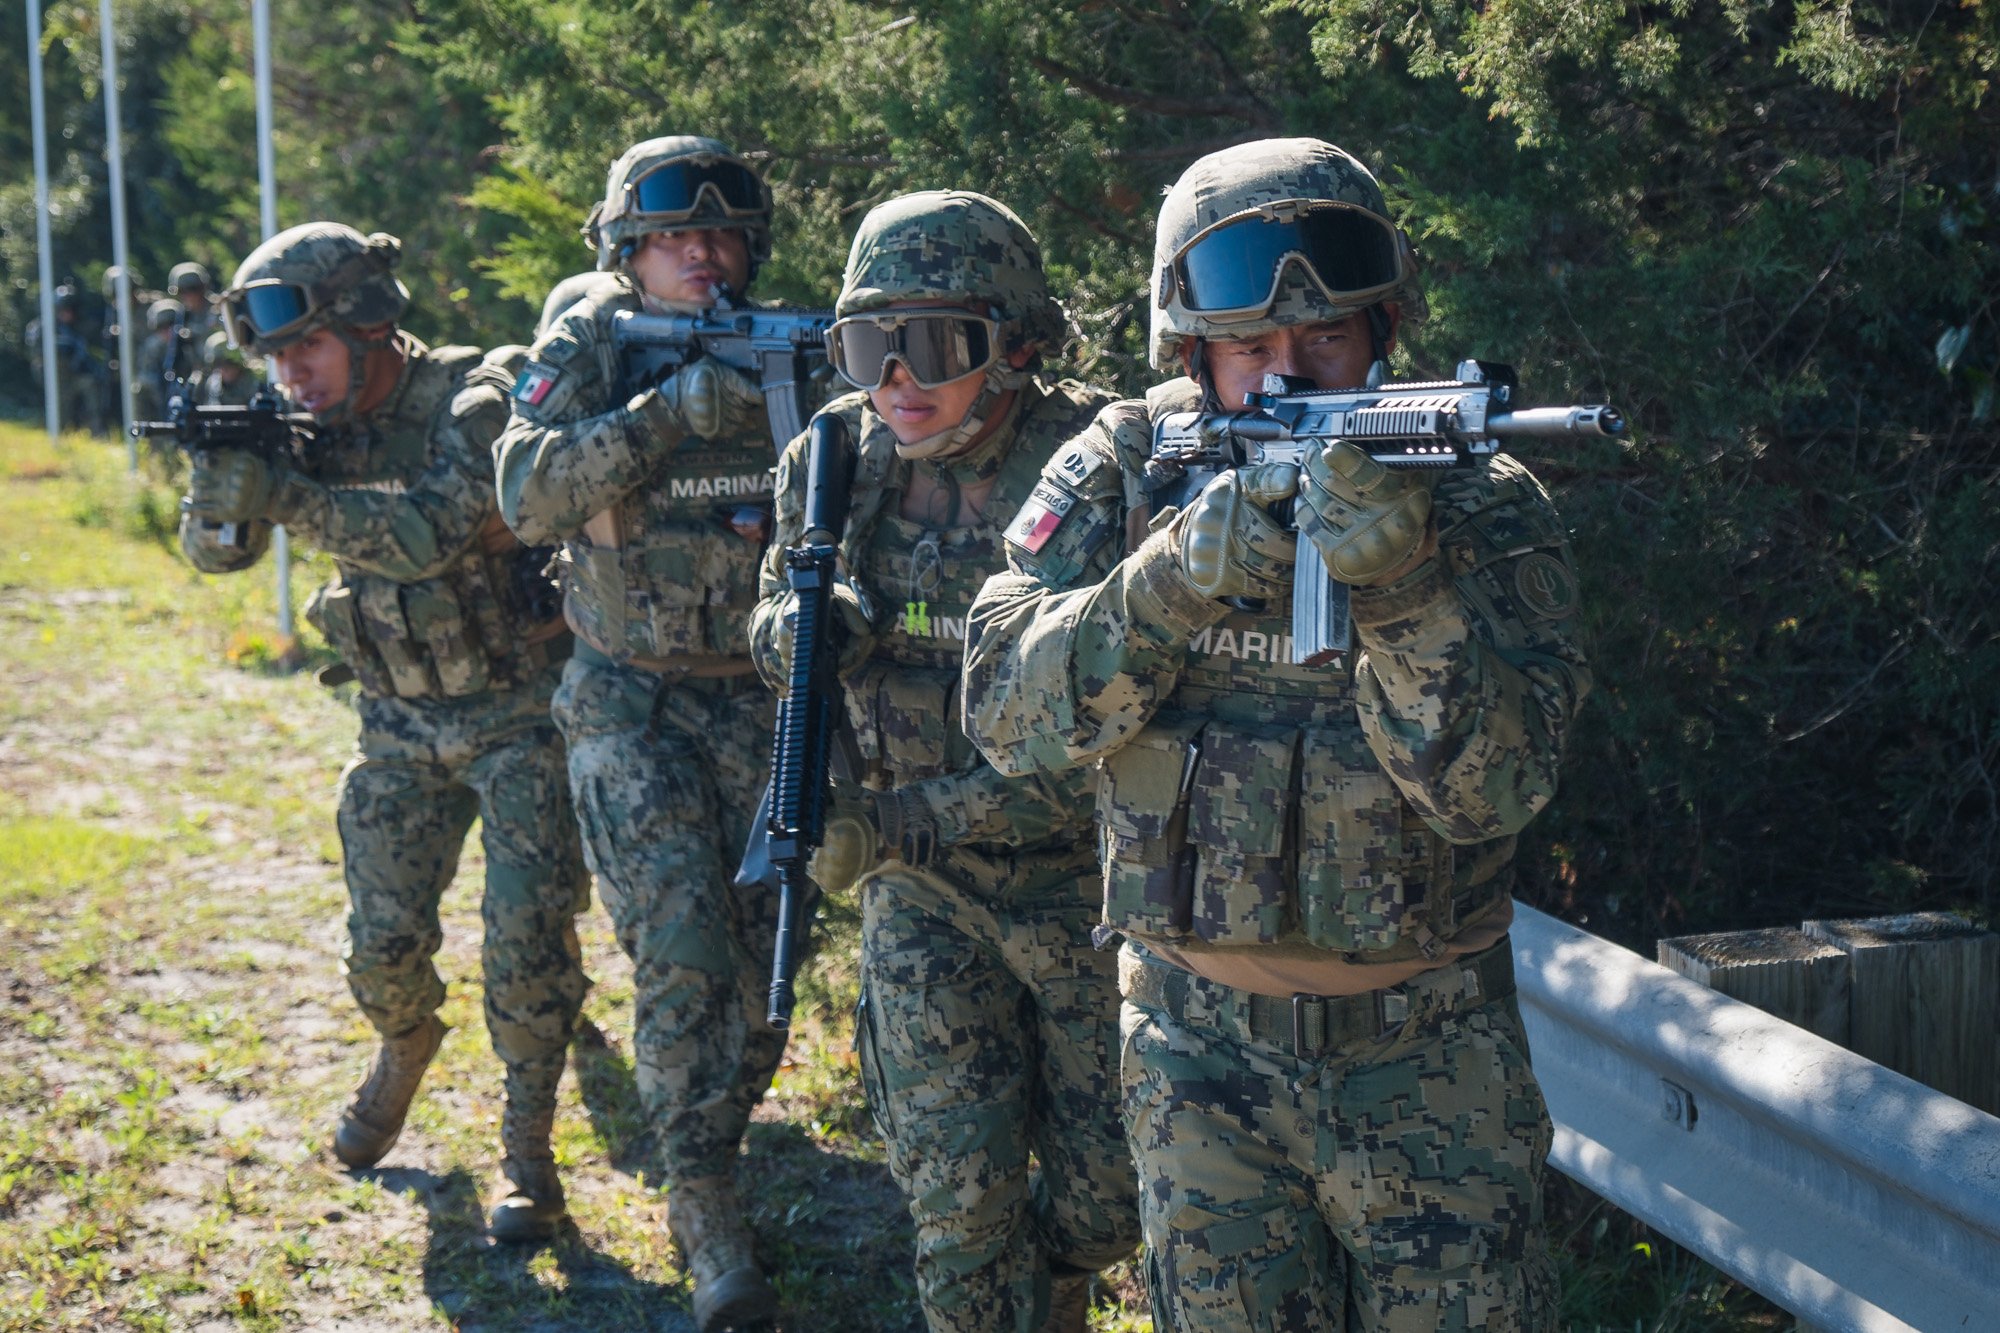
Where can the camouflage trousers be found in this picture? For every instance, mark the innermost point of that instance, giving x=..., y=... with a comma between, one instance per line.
x=986, y=1038
x=666, y=779
x=1394, y=1184
x=424, y=769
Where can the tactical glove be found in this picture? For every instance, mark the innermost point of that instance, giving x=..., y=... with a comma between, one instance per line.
x=233, y=486
x=703, y=399
x=1230, y=545
x=851, y=845
x=865, y=827
x=854, y=637
x=1365, y=519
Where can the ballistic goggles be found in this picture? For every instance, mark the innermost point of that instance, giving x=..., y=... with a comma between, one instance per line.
x=672, y=191
x=266, y=309
x=1232, y=269
x=935, y=346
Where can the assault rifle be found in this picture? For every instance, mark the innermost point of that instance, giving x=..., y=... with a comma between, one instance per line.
x=1435, y=424
x=261, y=425
x=802, y=749
x=781, y=348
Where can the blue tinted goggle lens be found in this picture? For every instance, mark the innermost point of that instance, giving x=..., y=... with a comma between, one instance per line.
x=676, y=187
x=1236, y=266
x=272, y=309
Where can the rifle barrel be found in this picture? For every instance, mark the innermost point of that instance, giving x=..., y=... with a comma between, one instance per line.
x=1557, y=422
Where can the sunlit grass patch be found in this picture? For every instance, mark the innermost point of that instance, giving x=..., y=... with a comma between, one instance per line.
x=45, y=855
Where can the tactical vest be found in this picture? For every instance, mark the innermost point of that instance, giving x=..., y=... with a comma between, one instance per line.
x=485, y=623
x=1251, y=810
x=903, y=704
x=666, y=578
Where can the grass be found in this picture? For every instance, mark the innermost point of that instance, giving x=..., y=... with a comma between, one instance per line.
x=176, y=1042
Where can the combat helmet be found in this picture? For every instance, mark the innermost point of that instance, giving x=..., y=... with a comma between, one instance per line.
x=321, y=275
x=163, y=314
x=67, y=299
x=680, y=182
x=947, y=245
x=1271, y=234
x=187, y=273
x=217, y=350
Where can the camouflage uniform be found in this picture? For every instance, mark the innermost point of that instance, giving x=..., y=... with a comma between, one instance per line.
x=216, y=389
x=669, y=728
x=988, y=1020
x=434, y=610
x=1326, y=1085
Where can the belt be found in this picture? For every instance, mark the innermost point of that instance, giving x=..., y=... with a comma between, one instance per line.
x=1312, y=1026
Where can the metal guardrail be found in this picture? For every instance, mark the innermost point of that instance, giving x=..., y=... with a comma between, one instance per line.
x=1852, y=1196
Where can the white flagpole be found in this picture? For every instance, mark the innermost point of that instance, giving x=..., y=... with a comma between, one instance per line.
x=267, y=198
x=114, y=157
x=45, y=245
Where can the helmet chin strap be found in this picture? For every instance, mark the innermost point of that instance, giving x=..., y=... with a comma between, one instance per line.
x=1000, y=380
x=358, y=348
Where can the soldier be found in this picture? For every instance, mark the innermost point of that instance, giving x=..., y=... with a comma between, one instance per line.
x=988, y=1021
x=568, y=292
x=187, y=283
x=226, y=377
x=453, y=634
x=1326, y=1084
x=656, y=491
x=82, y=393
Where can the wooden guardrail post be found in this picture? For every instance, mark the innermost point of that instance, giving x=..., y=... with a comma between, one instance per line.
x=1782, y=971
x=1918, y=993
x=1924, y=999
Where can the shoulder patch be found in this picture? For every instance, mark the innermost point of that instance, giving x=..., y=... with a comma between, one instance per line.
x=1546, y=586
x=1043, y=512
x=1075, y=463
x=537, y=378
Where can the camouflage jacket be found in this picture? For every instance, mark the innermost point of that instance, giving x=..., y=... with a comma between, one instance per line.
x=1367, y=808
x=918, y=583
x=433, y=596
x=656, y=572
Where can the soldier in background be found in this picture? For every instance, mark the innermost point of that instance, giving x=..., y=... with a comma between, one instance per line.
x=988, y=1021
x=455, y=638
x=656, y=492
x=82, y=393
x=226, y=375
x=568, y=292
x=188, y=283
x=1327, y=1088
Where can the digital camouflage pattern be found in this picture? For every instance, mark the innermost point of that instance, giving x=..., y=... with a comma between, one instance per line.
x=653, y=571
x=669, y=730
x=951, y=245
x=456, y=679
x=1237, y=180
x=989, y=1020
x=1389, y=1185
x=346, y=274
x=609, y=226
x=988, y=1033
x=1357, y=813
x=666, y=778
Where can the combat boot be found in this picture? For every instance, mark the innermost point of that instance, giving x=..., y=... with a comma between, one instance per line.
x=373, y=1120
x=1069, y=1301
x=707, y=1223
x=532, y=1207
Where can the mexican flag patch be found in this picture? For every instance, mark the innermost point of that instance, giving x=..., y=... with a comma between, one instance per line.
x=1040, y=517
x=535, y=382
